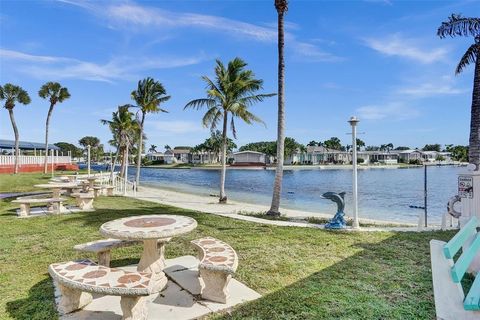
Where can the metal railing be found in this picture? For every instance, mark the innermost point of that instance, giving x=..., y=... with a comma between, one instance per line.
x=123, y=186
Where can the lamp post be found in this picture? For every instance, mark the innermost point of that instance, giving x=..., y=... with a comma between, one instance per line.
x=88, y=160
x=353, y=122
x=51, y=155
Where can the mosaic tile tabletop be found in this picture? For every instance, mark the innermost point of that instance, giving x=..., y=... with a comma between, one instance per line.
x=148, y=227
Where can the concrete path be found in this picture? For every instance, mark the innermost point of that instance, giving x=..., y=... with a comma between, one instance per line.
x=233, y=208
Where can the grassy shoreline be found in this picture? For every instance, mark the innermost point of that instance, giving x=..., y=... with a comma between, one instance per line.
x=301, y=273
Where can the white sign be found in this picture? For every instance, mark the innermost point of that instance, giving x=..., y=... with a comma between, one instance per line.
x=465, y=187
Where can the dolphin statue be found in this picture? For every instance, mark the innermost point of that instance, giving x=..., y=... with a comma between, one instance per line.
x=337, y=222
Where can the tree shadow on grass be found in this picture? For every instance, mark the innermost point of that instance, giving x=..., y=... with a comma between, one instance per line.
x=386, y=280
x=39, y=304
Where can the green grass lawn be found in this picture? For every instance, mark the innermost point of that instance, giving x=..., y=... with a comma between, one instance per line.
x=301, y=273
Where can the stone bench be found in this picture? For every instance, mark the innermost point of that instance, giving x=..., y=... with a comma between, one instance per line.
x=75, y=282
x=447, y=274
x=103, y=247
x=218, y=262
x=55, y=205
x=84, y=201
x=103, y=190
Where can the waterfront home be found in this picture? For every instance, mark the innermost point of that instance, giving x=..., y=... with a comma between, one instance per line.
x=169, y=157
x=201, y=157
x=249, y=158
x=410, y=155
x=182, y=154
x=155, y=156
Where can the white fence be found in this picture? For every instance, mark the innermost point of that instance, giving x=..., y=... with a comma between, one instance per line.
x=39, y=160
x=124, y=187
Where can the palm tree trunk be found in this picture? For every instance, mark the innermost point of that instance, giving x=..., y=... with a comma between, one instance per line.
x=15, y=131
x=474, y=141
x=277, y=187
x=223, y=195
x=139, y=156
x=122, y=166
x=45, y=163
x=112, y=169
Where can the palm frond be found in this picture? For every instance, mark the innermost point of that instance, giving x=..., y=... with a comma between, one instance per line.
x=250, y=100
x=200, y=103
x=281, y=6
x=459, y=26
x=470, y=56
x=211, y=117
x=232, y=126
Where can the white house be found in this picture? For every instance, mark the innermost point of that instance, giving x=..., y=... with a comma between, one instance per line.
x=249, y=158
x=169, y=157
x=182, y=154
x=155, y=156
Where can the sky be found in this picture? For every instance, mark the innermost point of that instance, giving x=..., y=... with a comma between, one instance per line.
x=378, y=60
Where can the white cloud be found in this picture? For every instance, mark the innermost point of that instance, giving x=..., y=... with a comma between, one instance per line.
x=116, y=69
x=430, y=89
x=397, y=45
x=390, y=111
x=163, y=127
x=314, y=53
x=126, y=15
x=16, y=55
x=131, y=16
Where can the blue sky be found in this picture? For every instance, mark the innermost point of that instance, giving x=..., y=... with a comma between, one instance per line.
x=378, y=60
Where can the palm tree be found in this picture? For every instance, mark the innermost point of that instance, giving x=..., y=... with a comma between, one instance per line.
x=125, y=132
x=56, y=94
x=461, y=26
x=148, y=96
x=232, y=93
x=13, y=94
x=153, y=148
x=282, y=7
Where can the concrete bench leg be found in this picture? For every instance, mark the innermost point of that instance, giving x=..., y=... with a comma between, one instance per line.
x=24, y=210
x=110, y=192
x=214, y=285
x=97, y=193
x=87, y=204
x=56, y=207
x=134, y=308
x=104, y=258
x=71, y=299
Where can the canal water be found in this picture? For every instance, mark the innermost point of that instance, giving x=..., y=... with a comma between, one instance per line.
x=384, y=194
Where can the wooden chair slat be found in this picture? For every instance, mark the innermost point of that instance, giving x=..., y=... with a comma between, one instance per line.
x=452, y=247
x=461, y=266
x=472, y=301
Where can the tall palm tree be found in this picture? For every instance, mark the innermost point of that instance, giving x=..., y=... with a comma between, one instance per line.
x=125, y=132
x=55, y=93
x=153, y=148
x=148, y=96
x=231, y=94
x=282, y=7
x=462, y=26
x=14, y=94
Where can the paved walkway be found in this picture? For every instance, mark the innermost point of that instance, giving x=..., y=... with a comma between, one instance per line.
x=233, y=208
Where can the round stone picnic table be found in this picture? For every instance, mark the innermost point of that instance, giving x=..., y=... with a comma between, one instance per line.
x=56, y=187
x=155, y=231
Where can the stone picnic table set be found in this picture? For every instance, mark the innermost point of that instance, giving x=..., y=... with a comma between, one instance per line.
x=139, y=288
x=84, y=191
